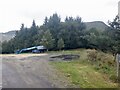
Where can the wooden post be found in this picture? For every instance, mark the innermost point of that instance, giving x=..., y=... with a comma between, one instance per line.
x=118, y=68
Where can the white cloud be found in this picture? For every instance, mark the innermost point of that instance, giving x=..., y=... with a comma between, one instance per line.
x=15, y=12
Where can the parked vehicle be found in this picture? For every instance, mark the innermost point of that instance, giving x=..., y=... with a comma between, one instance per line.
x=35, y=49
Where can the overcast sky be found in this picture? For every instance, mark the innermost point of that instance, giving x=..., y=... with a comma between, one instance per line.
x=15, y=12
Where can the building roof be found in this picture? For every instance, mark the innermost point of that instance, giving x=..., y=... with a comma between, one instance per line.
x=32, y=48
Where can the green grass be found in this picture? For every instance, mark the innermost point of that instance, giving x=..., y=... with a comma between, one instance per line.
x=84, y=74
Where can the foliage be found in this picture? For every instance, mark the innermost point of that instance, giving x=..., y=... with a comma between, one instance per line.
x=114, y=33
x=48, y=34
x=92, y=55
x=72, y=31
x=60, y=44
x=47, y=40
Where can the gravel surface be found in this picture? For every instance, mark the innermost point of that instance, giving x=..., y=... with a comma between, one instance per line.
x=30, y=71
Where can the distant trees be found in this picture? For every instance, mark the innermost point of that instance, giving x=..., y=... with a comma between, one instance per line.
x=69, y=34
x=8, y=47
x=69, y=30
x=97, y=40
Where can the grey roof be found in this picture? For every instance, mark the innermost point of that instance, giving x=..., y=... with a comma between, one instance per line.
x=32, y=48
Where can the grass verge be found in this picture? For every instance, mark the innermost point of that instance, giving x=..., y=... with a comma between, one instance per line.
x=84, y=74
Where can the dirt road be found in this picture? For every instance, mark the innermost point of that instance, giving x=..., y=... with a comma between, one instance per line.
x=30, y=71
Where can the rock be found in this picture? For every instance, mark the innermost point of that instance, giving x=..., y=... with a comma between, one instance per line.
x=68, y=75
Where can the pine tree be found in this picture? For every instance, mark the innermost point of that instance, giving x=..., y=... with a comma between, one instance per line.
x=115, y=29
x=60, y=44
x=33, y=23
x=47, y=40
x=22, y=27
x=46, y=21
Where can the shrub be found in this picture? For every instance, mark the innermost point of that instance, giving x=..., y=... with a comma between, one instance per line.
x=92, y=55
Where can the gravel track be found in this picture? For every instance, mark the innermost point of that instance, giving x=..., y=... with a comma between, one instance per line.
x=30, y=71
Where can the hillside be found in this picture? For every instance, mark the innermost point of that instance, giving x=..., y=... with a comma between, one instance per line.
x=99, y=25
x=8, y=35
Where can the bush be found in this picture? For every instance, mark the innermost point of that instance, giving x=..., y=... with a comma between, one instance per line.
x=92, y=55
x=100, y=58
x=106, y=59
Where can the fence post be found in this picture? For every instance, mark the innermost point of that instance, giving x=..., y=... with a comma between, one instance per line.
x=118, y=68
